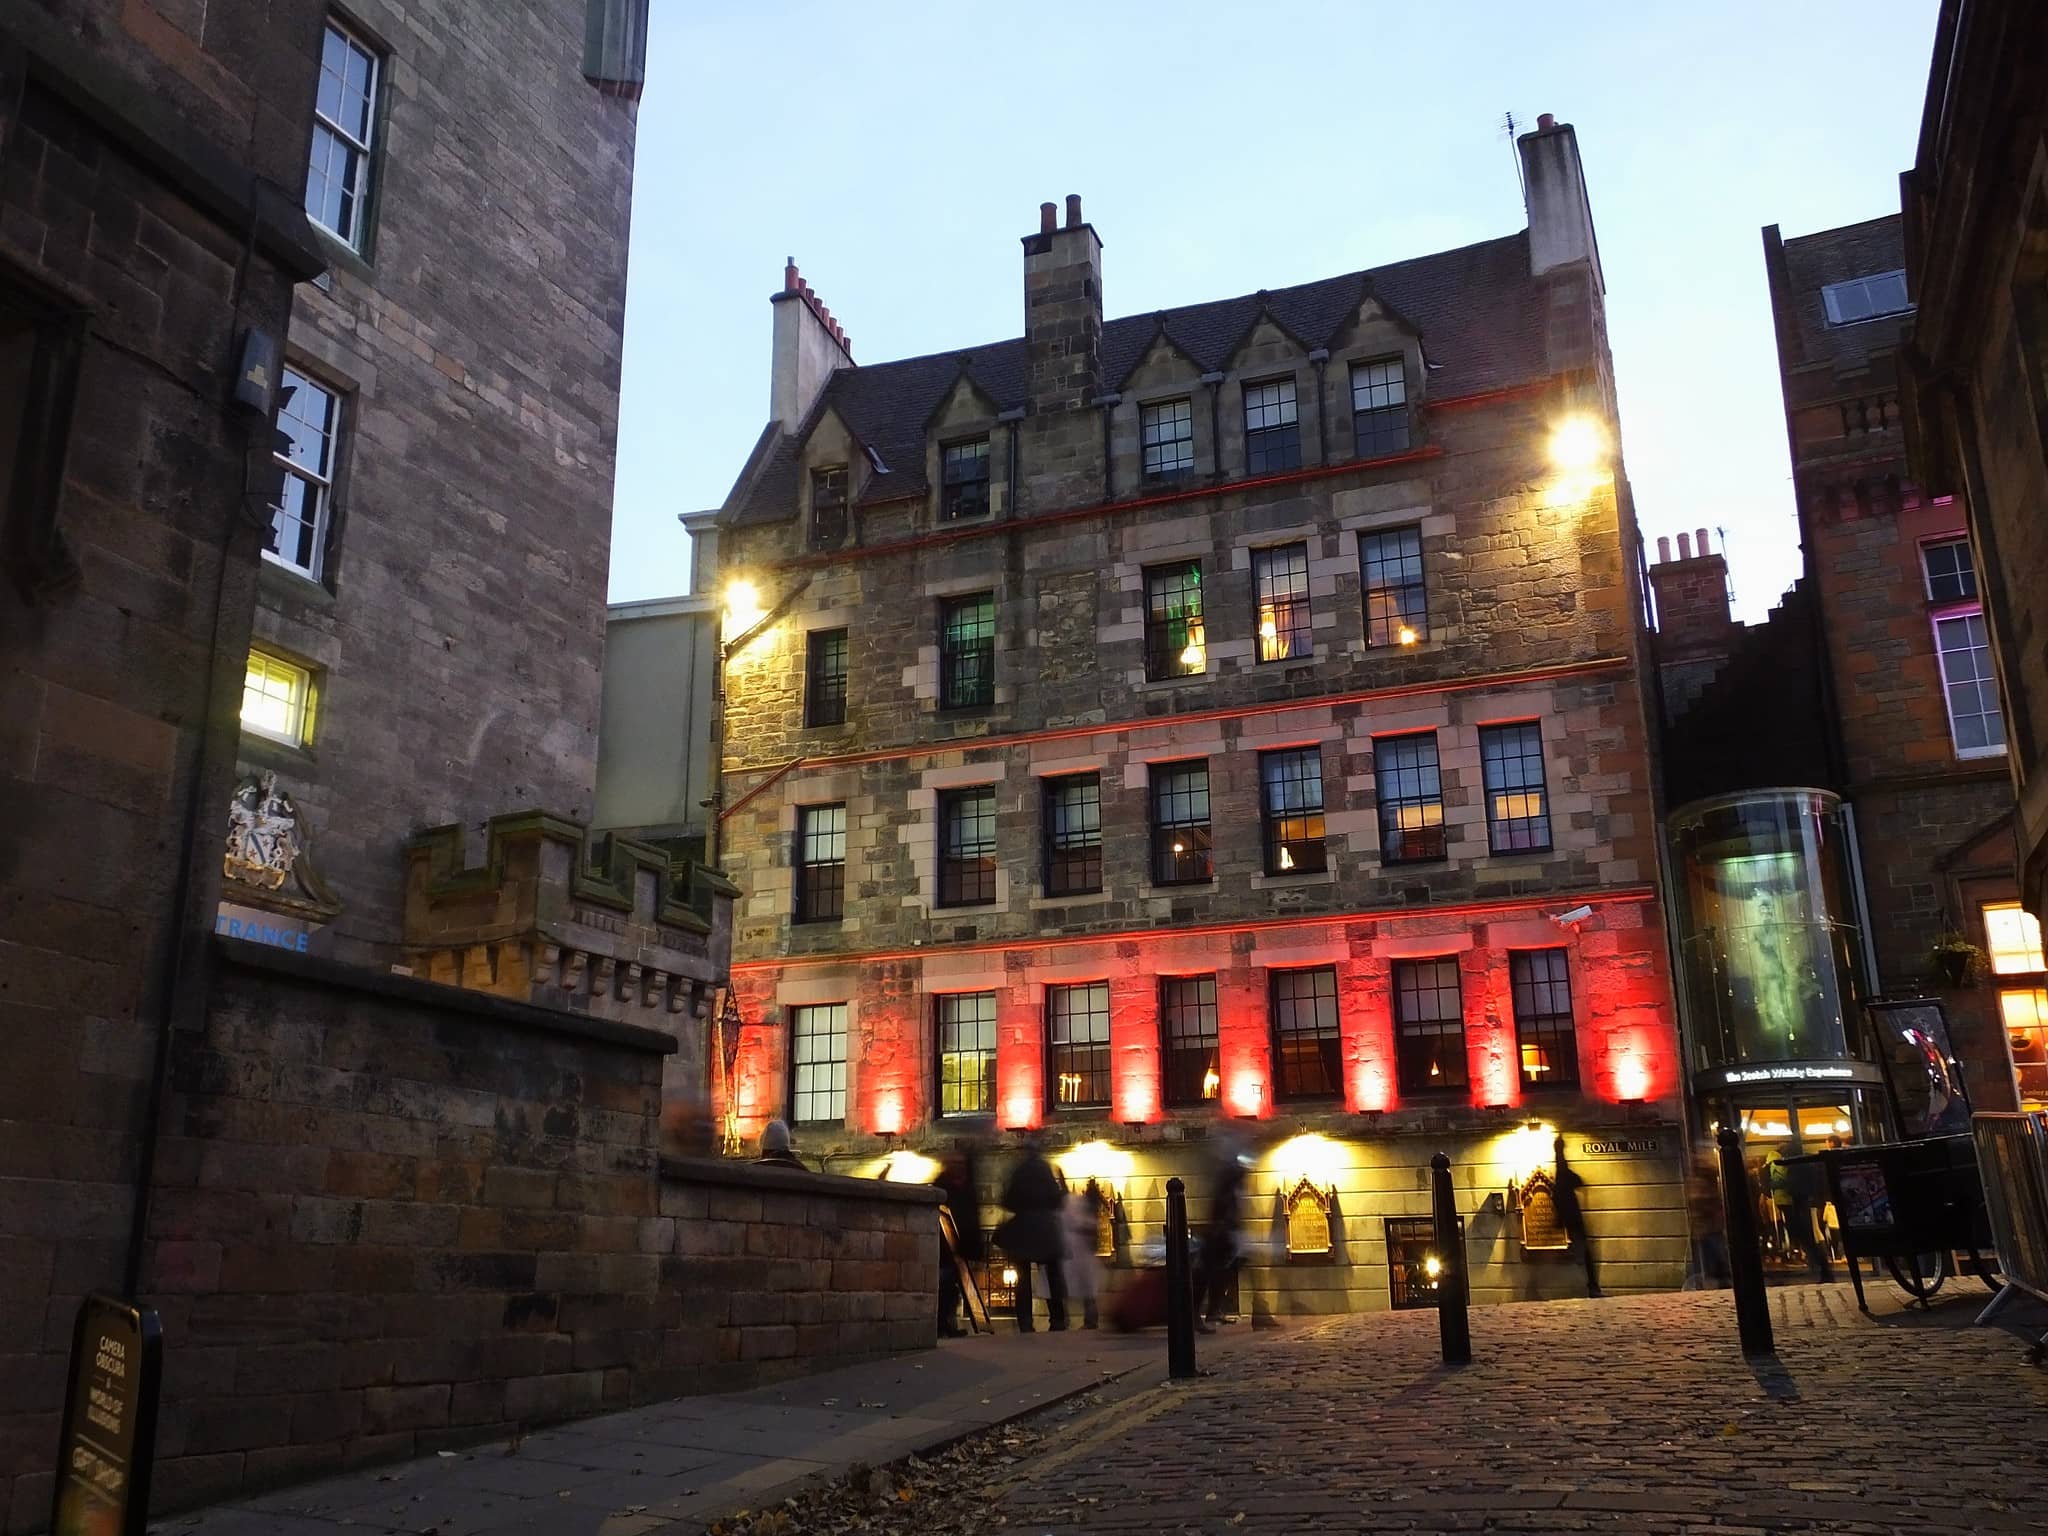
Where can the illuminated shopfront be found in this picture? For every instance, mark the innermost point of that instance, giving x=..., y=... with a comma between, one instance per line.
x=1773, y=962
x=2020, y=970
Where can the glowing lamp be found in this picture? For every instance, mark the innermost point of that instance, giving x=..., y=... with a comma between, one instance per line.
x=742, y=606
x=1009, y=1275
x=1433, y=1267
x=1406, y=635
x=1577, y=444
x=1195, y=657
x=1631, y=1079
x=888, y=1116
x=1211, y=1082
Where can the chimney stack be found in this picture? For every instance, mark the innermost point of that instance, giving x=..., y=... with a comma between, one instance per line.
x=809, y=346
x=1060, y=440
x=1560, y=216
x=1062, y=313
x=1693, y=616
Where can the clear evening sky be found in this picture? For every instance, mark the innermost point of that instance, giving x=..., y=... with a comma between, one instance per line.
x=899, y=151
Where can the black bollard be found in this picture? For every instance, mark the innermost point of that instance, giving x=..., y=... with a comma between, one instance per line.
x=1453, y=1294
x=1180, y=1294
x=1745, y=1254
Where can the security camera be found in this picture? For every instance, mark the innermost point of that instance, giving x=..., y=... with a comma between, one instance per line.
x=1572, y=918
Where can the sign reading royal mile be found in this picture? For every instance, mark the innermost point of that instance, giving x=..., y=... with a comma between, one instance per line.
x=109, y=1442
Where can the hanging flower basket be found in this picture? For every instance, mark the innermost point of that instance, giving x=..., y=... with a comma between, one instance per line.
x=1954, y=961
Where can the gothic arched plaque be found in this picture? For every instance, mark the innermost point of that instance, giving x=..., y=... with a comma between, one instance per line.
x=1541, y=1228
x=1308, y=1222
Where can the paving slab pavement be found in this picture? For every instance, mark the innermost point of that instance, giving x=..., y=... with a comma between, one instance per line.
x=669, y=1466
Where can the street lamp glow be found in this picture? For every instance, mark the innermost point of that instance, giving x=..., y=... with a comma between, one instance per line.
x=1577, y=444
x=742, y=606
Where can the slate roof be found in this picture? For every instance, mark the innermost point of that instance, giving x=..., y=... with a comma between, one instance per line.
x=1479, y=313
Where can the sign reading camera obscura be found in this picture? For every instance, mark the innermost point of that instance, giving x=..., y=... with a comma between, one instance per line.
x=109, y=1441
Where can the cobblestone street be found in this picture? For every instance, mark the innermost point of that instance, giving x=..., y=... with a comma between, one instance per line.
x=1629, y=1414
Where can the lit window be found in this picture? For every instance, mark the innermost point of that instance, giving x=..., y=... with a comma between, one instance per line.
x=1307, y=1038
x=1272, y=435
x=1411, y=799
x=1866, y=298
x=1969, y=685
x=1951, y=578
x=344, y=118
x=818, y=1064
x=1291, y=798
x=1390, y=568
x=1187, y=1012
x=1077, y=1032
x=2025, y=1012
x=1517, y=803
x=1379, y=407
x=1180, y=823
x=1545, y=1036
x=310, y=422
x=2013, y=936
x=963, y=479
x=825, y=677
x=1167, y=431
x=277, y=699
x=1176, y=644
x=820, y=863
x=828, y=507
x=967, y=651
x=1280, y=579
x=967, y=847
x=1429, y=1018
x=967, y=1052
x=1073, y=834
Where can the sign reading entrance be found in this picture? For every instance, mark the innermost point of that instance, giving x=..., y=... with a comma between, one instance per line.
x=104, y=1458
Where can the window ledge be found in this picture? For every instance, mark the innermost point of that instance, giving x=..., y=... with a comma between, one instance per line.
x=1522, y=853
x=288, y=582
x=1179, y=887
x=1282, y=882
x=1979, y=754
x=1161, y=684
x=1080, y=899
x=1287, y=664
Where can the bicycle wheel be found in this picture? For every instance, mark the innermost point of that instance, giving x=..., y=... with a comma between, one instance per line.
x=1922, y=1275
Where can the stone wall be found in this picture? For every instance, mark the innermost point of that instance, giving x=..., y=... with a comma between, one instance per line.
x=791, y=1270
x=394, y=1216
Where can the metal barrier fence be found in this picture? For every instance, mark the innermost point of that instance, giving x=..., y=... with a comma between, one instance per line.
x=2012, y=1152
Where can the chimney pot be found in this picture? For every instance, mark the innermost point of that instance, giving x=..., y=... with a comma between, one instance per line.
x=1700, y=540
x=1048, y=218
x=1663, y=548
x=1073, y=210
x=1685, y=546
x=789, y=276
x=1545, y=122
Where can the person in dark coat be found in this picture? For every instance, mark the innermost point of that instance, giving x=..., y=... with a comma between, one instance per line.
x=775, y=1147
x=1571, y=1215
x=1222, y=1239
x=1033, y=1234
x=956, y=1181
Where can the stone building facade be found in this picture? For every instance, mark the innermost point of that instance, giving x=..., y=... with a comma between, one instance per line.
x=1976, y=260
x=1221, y=723
x=1918, y=740
x=149, y=175
x=430, y=625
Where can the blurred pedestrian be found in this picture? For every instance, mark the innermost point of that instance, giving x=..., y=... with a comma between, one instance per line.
x=1222, y=1239
x=957, y=1182
x=775, y=1147
x=1034, y=1234
x=1083, y=1216
x=1571, y=1215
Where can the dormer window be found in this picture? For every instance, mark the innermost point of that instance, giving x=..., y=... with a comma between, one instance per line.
x=1272, y=434
x=1379, y=407
x=963, y=480
x=828, y=507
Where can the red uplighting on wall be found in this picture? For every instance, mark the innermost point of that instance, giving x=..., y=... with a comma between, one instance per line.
x=885, y=1116
x=1247, y=1094
x=1137, y=1095
x=1631, y=1077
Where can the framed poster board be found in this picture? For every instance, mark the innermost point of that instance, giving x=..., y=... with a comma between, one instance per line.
x=1865, y=1203
x=109, y=1439
x=1920, y=1068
